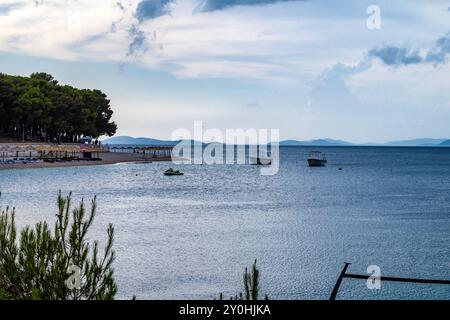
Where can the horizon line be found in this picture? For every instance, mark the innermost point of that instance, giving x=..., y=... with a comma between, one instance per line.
x=331, y=141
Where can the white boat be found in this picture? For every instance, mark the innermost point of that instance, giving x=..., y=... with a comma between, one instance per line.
x=261, y=161
x=317, y=159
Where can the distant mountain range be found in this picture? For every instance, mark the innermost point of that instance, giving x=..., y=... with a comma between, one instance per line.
x=130, y=141
x=417, y=142
x=125, y=140
x=402, y=143
x=446, y=143
x=318, y=142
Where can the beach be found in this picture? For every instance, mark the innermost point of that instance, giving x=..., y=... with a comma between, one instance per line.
x=106, y=158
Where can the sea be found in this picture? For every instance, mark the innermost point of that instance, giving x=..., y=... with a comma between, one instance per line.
x=192, y=236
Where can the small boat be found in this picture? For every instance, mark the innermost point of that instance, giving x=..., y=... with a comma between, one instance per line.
x=172, y=172
x=317, y=159
x=261, y=161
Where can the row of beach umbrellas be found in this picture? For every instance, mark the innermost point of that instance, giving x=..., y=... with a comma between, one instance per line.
x=49, y=148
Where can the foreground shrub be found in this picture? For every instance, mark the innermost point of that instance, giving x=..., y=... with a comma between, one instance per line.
x=58, y=265
x=251, y=286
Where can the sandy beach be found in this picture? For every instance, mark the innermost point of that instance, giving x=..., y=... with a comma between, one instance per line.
x=107, y=158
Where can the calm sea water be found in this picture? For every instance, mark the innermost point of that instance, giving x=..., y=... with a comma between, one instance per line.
x=192, y=236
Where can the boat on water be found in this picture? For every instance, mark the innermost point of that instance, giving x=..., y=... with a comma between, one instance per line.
x=317, y=159
x=261, y=161
x=172, y=172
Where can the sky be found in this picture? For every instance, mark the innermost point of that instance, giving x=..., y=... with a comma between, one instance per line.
x=310, y=68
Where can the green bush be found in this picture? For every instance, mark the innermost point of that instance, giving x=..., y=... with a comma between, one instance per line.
x=251, y=286
x=58, y=265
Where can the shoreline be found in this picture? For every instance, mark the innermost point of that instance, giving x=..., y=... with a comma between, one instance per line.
x=107, y=158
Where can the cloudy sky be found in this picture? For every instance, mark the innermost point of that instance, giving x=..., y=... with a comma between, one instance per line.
x=311, y=68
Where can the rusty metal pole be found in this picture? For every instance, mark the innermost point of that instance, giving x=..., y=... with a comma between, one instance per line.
x=339, y=281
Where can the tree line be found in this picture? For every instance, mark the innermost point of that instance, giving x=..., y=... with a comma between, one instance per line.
x=38, y=108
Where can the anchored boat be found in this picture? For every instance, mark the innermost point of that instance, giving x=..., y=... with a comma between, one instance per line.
x=172, y=172
x=261, y=161
x=317, y=159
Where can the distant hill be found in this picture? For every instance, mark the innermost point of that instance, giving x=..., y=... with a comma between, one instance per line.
x=130, y=141
x=423, y=142
x=125, y=140
x=318, y=142
x=416, y=142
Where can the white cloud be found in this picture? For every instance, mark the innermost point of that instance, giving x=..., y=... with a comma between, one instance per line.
x=421, y=85
x=290, y=43
x=56, y=28
x=278, y=41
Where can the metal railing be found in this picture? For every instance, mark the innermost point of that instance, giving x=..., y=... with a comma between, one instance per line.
x=344, y=275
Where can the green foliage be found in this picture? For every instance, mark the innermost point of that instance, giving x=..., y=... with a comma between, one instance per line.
x=251, y=283
x=40, y=263
x=251, y=286
x=38, y=108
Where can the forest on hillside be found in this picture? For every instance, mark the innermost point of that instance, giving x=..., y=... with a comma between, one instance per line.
x=38, y=108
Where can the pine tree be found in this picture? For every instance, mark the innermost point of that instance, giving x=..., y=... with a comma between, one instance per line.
x=251, y=286
x=58, y=265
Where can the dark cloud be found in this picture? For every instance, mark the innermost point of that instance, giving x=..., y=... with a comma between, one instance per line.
x=137, y=42
x=146, y=10
x=114, y=24
x=397, y=56
x=150, y=9
x=391, y=55
x=439, y=54
x=120, y=5
x=213, y=5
